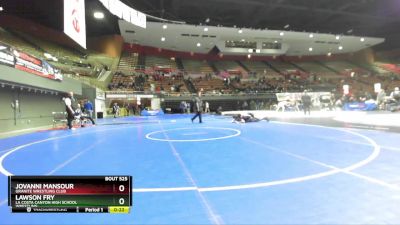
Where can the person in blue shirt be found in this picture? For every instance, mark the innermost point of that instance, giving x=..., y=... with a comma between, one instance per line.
x=88, y=106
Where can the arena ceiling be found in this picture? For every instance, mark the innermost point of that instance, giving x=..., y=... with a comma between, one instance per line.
x=373, y=18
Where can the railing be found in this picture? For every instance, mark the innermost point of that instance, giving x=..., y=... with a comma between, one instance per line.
x=138, y=69
x=186, y=94
x=89, y=81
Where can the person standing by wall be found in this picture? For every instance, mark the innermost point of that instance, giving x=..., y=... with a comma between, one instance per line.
x=380, y=99
x=88, y=106
x=188, y=106
x=82, y=117
x=306, y=100
x=207, y=108
x=182, y=107
x=115, y=110
x=69, y=108
x=197, y=107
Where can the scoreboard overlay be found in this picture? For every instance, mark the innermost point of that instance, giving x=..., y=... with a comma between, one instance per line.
x=70, y=194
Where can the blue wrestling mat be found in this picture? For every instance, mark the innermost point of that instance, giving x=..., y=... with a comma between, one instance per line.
x=218, y=172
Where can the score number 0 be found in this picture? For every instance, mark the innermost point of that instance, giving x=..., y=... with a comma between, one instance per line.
x=121, y=188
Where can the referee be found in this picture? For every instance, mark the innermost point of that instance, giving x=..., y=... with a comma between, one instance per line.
x=197, y=107
x=306, y=100
x=69, y=108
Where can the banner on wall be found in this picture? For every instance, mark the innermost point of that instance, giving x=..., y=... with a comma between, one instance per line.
x=74, y=21
x=125, y=12
x=25, y=62
x=6, y=55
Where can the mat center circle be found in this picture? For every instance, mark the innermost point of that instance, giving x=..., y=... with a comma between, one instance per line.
x=193, y=134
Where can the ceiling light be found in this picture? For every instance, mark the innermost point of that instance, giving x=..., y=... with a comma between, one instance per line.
x=98, y=15
x=164, y=26
x=311, y=35
x=249, y=56
x=258, y=50
x=281, y=33
x=310, y=49
x=362, y=39
x=1, y=8
x=240, y=31
x=198, y=44
x=207, y=20
x=340, y=47
x=286, y=26
x=250, y=50
x=243, y=40
x=329, y=54
x=205, y=29
x=275, y=41
x=337, y=37
x=162, y=38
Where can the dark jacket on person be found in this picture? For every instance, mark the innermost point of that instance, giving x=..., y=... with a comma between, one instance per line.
x=197, y=105
x=306, y=100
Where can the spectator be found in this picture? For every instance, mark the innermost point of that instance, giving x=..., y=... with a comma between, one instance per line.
x=88, y=106
x=115, y=110
x=207, y=107
x=183, y=106
x=306, y=100
x=395, y=100
x=245, y=105
x=188, y=106
x=395, y=95
x=380, y=99
x=219, y=110
x=82, y=117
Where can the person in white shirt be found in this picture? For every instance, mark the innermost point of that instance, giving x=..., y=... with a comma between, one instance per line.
x=380, y=98
x=68, y=101
x=395, y=100
x=81, y=116
x=115, y=110
x=395, y=95
x=207, y=108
